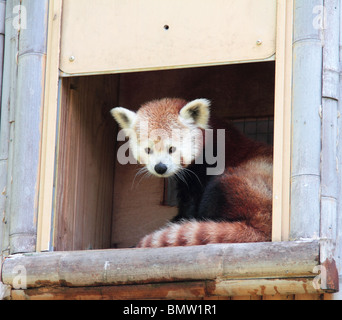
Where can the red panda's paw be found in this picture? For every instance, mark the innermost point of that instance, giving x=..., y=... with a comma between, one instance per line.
x=191, y=233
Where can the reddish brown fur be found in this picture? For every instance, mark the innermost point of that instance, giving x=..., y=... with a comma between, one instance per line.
x=162, y=114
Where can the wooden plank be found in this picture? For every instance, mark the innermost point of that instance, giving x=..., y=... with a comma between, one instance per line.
x=184, y=290
x=282, y=123
x=245, y=297
x=308, y=297
x=133, y=266
x=269, y=289
x=247, y=289
x=164, y=34
x=278, y=297
x=86, y=157
x=48, y=147
x=225, y=86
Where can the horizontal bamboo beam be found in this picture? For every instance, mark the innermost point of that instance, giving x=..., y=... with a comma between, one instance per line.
x=219, y=270
x=160, y=265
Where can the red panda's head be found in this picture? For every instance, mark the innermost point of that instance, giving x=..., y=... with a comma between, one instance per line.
x=165, y=135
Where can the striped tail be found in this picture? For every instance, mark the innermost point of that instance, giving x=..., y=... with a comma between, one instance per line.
x=193, y=232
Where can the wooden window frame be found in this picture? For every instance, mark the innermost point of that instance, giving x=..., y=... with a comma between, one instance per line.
x=282, y=124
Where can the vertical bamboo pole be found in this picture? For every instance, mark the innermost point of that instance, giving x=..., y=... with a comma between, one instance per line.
x=2, y=40
x=8, y=104
x=27, y=131
x=306, y=121
x=338, y=296
x=330, y=97
x=3, y=151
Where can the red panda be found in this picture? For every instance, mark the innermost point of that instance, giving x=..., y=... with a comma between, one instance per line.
x=172, y=137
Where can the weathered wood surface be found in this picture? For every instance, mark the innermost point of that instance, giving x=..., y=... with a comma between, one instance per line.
x=253, y=289
x=282, y=123
x=179, y=290
x=161, y=265
x=48, y=130
x=85, y=165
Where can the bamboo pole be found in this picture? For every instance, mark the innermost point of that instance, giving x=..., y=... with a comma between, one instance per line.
x=8, y=103
x=339, y=164
x=27, y=132
x=220, y=270
x=134, y=266
x=3, y=155
x=2, y=40
x=338, y=80
x=330, y=97
x=306, y=122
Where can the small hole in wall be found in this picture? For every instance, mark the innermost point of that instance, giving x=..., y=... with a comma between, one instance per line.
x=166, y=27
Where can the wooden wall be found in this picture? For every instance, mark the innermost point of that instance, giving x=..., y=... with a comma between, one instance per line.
x=85, y=165
x=236, y=91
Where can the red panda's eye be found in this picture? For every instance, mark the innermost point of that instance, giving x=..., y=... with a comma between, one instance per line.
x=148, y=150
x=172, y=150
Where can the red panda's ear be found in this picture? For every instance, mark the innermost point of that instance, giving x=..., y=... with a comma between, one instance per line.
x=124, y=117
x=196, y=112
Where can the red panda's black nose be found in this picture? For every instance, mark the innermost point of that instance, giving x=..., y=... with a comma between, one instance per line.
x=160, y=168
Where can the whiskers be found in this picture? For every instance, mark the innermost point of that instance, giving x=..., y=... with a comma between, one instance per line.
x=144, y=173
x=185, y=174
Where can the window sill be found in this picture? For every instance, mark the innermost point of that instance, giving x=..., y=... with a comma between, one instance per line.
x=171, y=273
